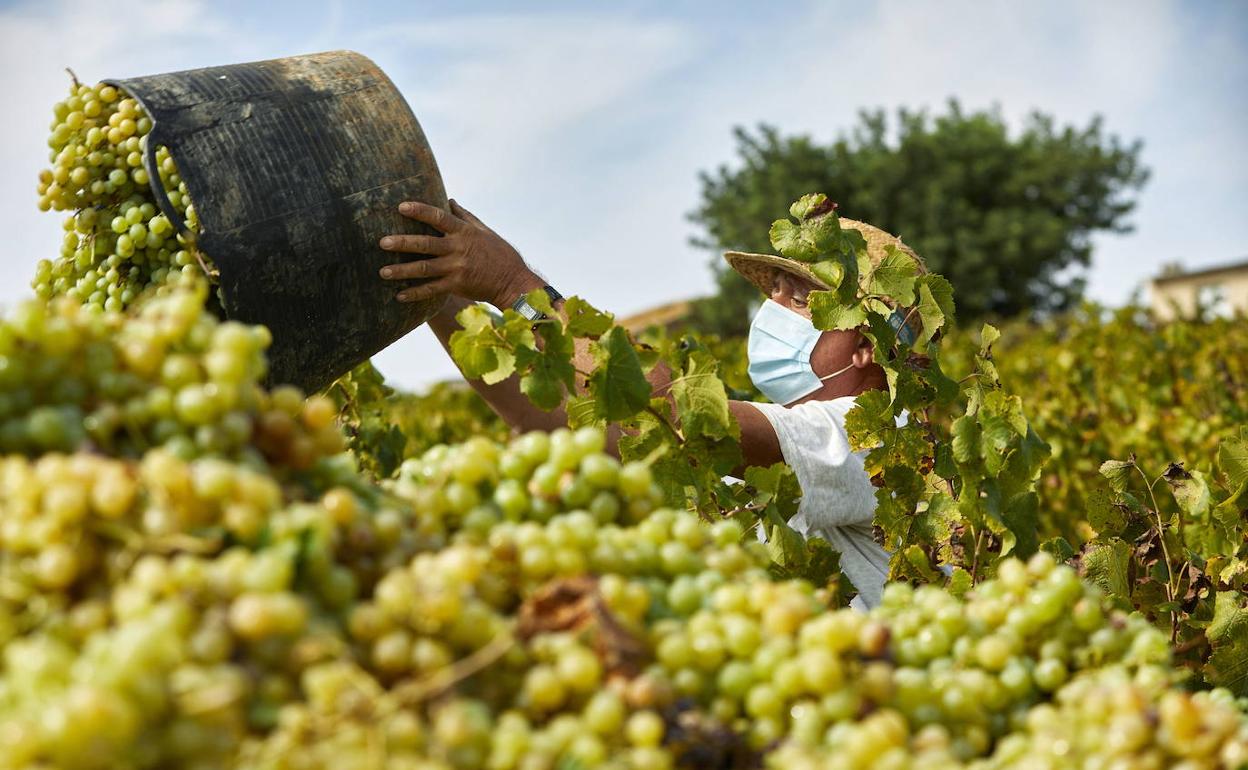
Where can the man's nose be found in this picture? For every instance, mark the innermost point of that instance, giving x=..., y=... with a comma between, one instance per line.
x=781, y=294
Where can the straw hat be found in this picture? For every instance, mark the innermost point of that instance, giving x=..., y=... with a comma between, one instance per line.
x=760, y=269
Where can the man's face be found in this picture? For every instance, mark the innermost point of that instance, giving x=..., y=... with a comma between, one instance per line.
x=791, y=292
x=835, y=349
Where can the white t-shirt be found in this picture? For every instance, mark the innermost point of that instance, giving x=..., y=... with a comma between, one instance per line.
x=838, y=501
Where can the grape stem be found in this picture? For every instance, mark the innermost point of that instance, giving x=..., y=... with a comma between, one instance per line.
x=747, y=508
x=979, y=535
x=74, y=78
x=199, y=257
x=1195, y=642
x=1171, y=590
x=412, y=693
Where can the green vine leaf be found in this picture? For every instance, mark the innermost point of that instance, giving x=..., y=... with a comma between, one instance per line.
x=1228, y=634
x=830, y=271
x=701, y=401
x=475, y=357
x=809, y=206
x=548, y=373
x=584, y=320
x=1233, y=461
x=619, y=386
x=827, y=311
x=872, y=411
x=966, y=440
x=935, y=305
x=540, y=301
x=786, y=238
x=893, y=277
x=1022, y=521
x=987, y=338
x=473, y=346
x=1190, y=491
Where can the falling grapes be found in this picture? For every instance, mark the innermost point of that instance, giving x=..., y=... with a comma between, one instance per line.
x=116, y=243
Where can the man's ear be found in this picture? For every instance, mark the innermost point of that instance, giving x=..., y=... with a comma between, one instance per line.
x=864, y=354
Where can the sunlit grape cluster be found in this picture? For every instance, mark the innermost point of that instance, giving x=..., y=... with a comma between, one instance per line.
x=179, y=602
x=116, y=243
x=170, y=374
x=476, y=484
x=1112, y=718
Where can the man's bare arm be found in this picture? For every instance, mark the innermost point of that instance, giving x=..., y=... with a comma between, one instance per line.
x=506, y=398
x=471, y=262
x=759, y=443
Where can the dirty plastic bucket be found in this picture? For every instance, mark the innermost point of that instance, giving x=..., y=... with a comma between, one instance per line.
x=296, y=168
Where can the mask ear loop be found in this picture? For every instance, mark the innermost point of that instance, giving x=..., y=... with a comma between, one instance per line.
x=904, y=334
x=827, y=377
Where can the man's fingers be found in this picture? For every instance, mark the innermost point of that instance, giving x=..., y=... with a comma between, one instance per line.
x=432, y=289
x=464, y=213
x=420, y=268
x=417, y=244
x=430, y=215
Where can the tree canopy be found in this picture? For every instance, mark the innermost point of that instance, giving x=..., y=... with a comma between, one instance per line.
x=1004, y=217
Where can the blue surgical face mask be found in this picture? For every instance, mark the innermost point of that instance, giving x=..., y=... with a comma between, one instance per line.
x=779, y=348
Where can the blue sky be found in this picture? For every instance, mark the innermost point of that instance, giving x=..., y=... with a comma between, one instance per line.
x=577, y=129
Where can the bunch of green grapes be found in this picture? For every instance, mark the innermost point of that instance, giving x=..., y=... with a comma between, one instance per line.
x=72, y=525
x=545, y=698
x=265, y=589
x=474, y=485
x=345, y=720
x=92, y=704
x=249, y=588
x=350, y=720
x=766, y=660
x=518, y=519
x=1114, y=718
x=1107, y=717
x=769, y=661
x=155, y=659
x=169, y=374
x=116, y=243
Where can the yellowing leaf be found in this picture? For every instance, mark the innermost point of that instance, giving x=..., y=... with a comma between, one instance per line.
x=1106, y=564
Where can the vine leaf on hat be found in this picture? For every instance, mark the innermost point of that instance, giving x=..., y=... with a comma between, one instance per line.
x=817, y=234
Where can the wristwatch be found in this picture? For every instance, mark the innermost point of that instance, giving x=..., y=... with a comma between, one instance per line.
x=523, y=307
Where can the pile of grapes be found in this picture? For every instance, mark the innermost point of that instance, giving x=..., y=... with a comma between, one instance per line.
x=194, y=574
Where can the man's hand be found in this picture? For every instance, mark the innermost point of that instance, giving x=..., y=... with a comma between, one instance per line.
x=469, y=260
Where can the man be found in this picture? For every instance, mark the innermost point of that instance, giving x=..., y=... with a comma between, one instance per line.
x=811, y=376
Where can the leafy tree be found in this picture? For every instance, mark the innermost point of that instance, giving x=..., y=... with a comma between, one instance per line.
x=1003, y=217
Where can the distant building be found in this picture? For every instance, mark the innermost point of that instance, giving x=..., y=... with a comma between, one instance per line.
x=1214, y=291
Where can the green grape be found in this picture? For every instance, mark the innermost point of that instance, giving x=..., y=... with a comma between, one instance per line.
x=635, y=479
